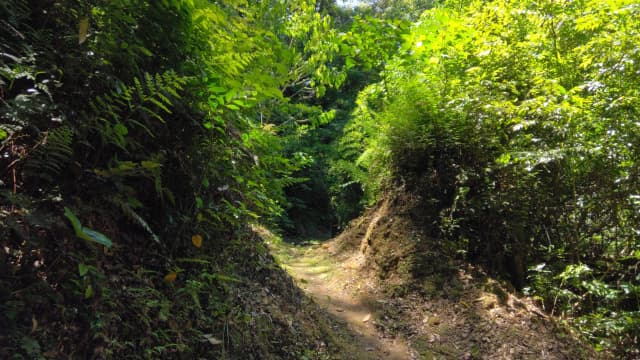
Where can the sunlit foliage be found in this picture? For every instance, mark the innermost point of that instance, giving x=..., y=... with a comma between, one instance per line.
x=518, y=124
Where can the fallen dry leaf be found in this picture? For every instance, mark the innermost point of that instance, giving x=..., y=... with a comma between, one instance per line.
x=196, y=240
x=170, y=277
x=83, y=29
x=34, y=324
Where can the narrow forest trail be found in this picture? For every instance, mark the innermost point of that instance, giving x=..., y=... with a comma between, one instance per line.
x=333, y=283
x=457, y=313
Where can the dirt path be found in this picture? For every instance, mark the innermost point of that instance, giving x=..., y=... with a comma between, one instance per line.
x=333, y=284
x=453, y=310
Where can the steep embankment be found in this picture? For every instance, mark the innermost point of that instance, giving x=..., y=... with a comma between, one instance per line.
x=134, y=302
x=408, y=299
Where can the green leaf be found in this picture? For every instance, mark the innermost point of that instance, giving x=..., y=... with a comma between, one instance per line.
x=145, y=51
x=83, y=269
x=120, y=129
x=77, y=227
x=88, y=292
x=160, y=105
x=217, y=89
x=350, y=63
x=240, y=103
x=95, y=236
x=86, y=233
x=504, y=159
x=230, y=95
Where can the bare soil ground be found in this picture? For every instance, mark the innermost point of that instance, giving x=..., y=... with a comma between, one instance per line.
x=336, y=288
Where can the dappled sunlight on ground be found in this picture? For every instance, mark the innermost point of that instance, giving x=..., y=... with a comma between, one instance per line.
x=336, y=287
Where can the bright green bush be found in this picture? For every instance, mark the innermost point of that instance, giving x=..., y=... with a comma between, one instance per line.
x=517, y=123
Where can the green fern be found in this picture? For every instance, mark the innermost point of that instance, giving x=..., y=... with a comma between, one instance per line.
x=50, y=156
x=14, y=13
x=136, y=106
x=127, y=209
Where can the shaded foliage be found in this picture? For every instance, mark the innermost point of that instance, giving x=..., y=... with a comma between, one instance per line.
x=148, y=122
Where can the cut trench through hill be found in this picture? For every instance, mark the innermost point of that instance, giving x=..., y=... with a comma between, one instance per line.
x=362, y=278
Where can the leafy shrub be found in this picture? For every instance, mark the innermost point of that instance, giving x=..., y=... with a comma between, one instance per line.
x=515, y=122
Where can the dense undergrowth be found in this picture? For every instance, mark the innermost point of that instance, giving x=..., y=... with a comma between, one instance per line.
x=138, y=138
x=149, y=127
x=517, y=126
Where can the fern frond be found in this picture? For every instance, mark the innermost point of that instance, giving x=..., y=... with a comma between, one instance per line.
x=149, y=97
x=149, y=82
x=139, y=89
x=52, y=156
x=127, y=207
x=137, y=219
